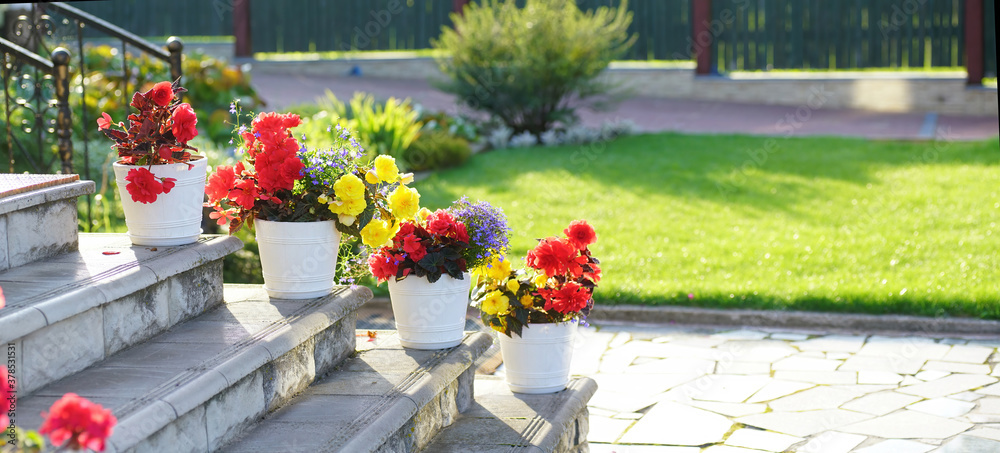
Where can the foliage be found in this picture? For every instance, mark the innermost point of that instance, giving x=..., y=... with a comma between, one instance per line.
x=457, y=126
x=428, y=246
x=531, y=66
x=158, y=132
x=436, y=149
x=489, y=234
x=823, y=224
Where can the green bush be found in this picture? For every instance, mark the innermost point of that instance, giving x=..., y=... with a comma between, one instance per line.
x=525, y=65
x=436, y=149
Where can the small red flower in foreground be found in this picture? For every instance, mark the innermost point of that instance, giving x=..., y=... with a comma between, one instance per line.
x=2, y=303
x=552, y=255
x=184, y=123
x=168, y=183
x=162, y=93
x=220, y=183
x=104, y=122
x=572, y=297
x=80, y=422
x=382, y=266
x=143, y=185
x=5, y=395
x=580, y=234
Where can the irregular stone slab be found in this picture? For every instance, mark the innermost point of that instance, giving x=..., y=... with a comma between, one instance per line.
x=989, y=405
x=803, y=424
x=589, y=347
x=896, y=446
x=865, y=388
x=839, y=355
x=620, y=401
x=815, y=398
x=831, y=442
x=620, y=340
x=838, y=343
x=819, y=377
x=985, y=433
x=889, y=364
x=878, y=377
x=943, y=407
x=931, y=375
x=741, y=335
x=789, y=336
x=730, y=409
x=881, y=403
x=603, y=429
x=908, y=425
x=967, y=444
x=799, y=363
x=955, y=383
x=968, y=354
x=761, y=440
x=669, y=423
x=744, y=368
x=904, y=348
x=967, y=396
x=777, y=389
x=728, y=449
x=956, y=367
x=607, y=448
x=755, y=351
x=725, y=388
x=990, y=390
x=685, y=366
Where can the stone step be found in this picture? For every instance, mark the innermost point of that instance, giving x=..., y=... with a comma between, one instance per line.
x=69, y=311
x=38, y=216
x=501, y=421
x=201, y=383
x=386, y=398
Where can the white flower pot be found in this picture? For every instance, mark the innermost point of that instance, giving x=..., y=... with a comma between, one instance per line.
x=298, y=259
x=430, y=315
x=175, y=217
x=538, y=361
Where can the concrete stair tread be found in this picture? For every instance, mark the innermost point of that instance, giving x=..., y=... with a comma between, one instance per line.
x=38, y=216
x=502, y=421
x=191, y=383
x=384, y=397
x=45, y=292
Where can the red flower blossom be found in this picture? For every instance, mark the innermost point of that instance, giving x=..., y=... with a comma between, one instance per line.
x=161, y=94
x=185, y=121
x=143, y=185
x=572, y=297
x=104, y=122
x=168, y=183
x=220, y=183
x=413, y=248
x=552, y=255
x=80, y=422
x=382, y=265
x=580, y=234
x=5, y=395
x=272, y=128
x=245, y=194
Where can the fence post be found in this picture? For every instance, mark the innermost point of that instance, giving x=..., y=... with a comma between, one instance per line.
x=64, y=118
x=974, y=56
x=241, y=28
x=701, y=35
x=457, y=5
x=176, y=48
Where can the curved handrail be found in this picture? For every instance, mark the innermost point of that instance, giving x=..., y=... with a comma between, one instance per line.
x=104, y=26
x=26, y=55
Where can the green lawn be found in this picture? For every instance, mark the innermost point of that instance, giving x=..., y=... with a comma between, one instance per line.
x=826, y=224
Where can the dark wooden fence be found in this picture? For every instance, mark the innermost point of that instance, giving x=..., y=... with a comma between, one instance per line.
x=746, y=34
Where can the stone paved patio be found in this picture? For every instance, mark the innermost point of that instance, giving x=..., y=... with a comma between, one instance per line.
x=689, y=389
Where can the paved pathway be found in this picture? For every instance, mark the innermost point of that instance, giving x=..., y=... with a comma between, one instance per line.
x=657, y=114
x=686, y=389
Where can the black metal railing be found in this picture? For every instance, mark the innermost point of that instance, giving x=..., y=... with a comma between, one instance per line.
x=39, y=78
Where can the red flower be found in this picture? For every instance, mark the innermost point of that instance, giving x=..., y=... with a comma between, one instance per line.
x=382, y=265
x=272, y=128
x=168, y=183
x=104, y=122
x=580, y=234
x=162, y=93
x=81, y=422
x=245, y=194
x=185, y=121
x=572, y=297
x=554, y=256
x=165, y=152
x=220, y=183
x=413, y=248
x=143, y=185
x=5, y=385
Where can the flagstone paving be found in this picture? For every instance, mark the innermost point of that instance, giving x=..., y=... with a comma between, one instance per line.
x=690, y=389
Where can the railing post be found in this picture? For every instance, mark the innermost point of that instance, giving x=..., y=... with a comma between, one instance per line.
x=175, y=46
x=974, y=56
x=241, y=28
x=701, y=35
x=64, y=118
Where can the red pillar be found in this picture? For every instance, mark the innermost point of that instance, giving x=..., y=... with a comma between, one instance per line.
x=701, y=35
x=241, y=28
x=457, y=5
x=974, y=58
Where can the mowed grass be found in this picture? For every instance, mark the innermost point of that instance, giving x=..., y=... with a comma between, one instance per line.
x=822, y=224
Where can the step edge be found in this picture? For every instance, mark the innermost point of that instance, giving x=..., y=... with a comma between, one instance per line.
x=48, y=194
x=207, y=386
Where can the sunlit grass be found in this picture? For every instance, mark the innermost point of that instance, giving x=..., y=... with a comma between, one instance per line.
x=825, y=224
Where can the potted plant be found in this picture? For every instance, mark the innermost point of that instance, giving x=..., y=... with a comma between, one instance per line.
x=426, y=266
x=160, y=181
x=537, y=309
x=299, y=201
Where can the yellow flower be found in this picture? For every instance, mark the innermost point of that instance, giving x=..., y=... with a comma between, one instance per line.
x=349, y=187
x=376, y=233
x=406, y=178
x=540, y=280
x=495, y=303
x=423, y=213
x=323, y=199
x=513, y=285
x=497, y=269
x=404, y=202
x=371, y=177
x=353, y=206
x=527, y=301
x=385, y=167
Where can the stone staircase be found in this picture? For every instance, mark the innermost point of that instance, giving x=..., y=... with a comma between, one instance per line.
x=187, y=363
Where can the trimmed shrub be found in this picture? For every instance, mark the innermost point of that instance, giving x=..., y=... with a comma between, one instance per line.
x=436, y=149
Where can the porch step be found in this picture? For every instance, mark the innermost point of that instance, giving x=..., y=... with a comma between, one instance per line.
x=69, y=311
x=386, y=398
x=38, y=216
x=501, y=421
x=198, y=385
